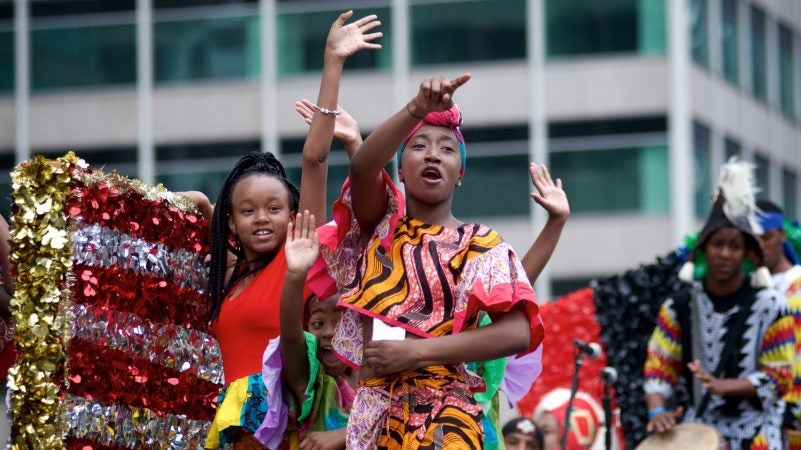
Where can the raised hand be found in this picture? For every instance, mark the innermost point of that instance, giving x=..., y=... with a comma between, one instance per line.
x=549, y=195
x=436, y=94
x=346, y=130
x=302, y=244
x=345, y=40
x=712, y=384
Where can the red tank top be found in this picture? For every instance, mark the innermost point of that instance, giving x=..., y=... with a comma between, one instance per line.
x=249, y=320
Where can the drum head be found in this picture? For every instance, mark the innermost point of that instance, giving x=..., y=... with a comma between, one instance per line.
x=686, y=436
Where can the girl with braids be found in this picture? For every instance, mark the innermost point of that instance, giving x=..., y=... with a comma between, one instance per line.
x=415, y=279
x=254, y=207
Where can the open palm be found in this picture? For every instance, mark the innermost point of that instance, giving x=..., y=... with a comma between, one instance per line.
x=549, y=194
x=302, y=244
x=345, y=40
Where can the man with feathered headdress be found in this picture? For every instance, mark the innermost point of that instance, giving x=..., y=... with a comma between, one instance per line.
x=727, y=338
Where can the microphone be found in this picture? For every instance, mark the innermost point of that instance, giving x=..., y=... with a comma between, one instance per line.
x=591, y=349
x=609, y=375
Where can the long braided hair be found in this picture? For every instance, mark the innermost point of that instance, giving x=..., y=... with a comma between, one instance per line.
x=253, y=163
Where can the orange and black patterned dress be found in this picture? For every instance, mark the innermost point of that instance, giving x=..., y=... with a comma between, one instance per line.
x=431, y=281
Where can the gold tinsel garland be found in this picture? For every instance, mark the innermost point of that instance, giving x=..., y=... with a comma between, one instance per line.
x=42, y=253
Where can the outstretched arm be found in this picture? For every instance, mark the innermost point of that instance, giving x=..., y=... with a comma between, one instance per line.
x=369, y=197
x=302, y=248
x=343, y=41
x=553, y=199
x=346, y=129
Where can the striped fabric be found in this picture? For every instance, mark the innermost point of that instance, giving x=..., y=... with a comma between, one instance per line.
x=765, y=358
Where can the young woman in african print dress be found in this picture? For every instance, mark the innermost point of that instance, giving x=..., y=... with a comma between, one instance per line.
x=410, y=264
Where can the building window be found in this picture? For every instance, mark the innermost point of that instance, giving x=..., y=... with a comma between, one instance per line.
x=209, y=48
x=700, y=32
x=485, y=178
x=49, y=8
x=7, y=61
x=481, y=31
x=83, y=56
x=762, y=173
x=729, y=44
x=702, y=171
x=301, y=41
x=758, y=54
x=790, y=194
x=497, y=162
x=582, y=27
x=731, y=148
x=7, y=164
x=612, y=165
x=786, y=88
x=160, y=4
x=199, y=167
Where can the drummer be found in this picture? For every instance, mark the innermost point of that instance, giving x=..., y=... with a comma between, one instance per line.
x=726, y=339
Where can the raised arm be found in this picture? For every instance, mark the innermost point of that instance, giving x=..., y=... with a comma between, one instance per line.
x=302, y=248
x=553, y=199
x=343, y=41
x=369, y=196
x=346, y=129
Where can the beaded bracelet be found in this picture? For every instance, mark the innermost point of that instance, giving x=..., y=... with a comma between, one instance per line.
x=654, y=411
x=326, y=111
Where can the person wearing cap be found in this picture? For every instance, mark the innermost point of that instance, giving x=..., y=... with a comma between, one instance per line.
x=780, y=257
x=782, y=261
x=522, y=434
x=726, y=339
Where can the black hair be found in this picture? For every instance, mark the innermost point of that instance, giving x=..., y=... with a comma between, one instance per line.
x=768, y=206
x=253, y=163
x=512, y=427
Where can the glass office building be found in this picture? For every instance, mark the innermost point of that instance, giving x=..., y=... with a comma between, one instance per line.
x=635, y=120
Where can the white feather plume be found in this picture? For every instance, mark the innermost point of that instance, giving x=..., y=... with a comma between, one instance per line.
x=736, y=184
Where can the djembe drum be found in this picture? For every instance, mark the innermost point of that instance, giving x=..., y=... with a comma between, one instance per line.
x=685, y=436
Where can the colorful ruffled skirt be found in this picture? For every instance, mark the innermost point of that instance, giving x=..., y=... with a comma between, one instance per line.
x=241, y=407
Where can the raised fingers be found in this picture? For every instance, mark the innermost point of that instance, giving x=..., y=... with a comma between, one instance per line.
x=459, y=81
x=367, y=23
x=343, y=17
x=304, y=108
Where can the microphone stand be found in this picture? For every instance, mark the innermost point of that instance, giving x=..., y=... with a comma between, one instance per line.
x=573, y=390
x=607, y=403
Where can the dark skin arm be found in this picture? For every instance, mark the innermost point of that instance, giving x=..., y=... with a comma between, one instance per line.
x=343, y=41
x=301, y=249
x=506, y=335
x=553, y=199
x=346, y=130
x=367, y=184
x=725, y=387
x=664, y=421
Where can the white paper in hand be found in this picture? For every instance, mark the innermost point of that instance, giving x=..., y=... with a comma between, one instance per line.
x=384, y=332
